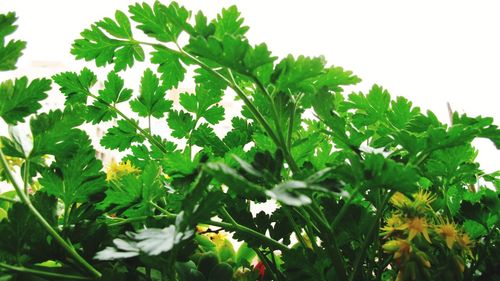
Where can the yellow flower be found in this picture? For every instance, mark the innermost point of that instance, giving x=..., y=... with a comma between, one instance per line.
x=423, y=199
x=399, y=247
x=417, y=226
x=400, y=200
x=449, y=232
x=466, y=243
x=393, y=224
x=217, y=238
x=118, y=170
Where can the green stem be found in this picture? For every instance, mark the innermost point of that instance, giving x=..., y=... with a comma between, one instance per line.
x=120, y=221
x=244, y=229
x=344, y=208
x=363, y=250
x=43, y=273
x=286, y=148
x=272, y=269
x=26, y=175
x=295, y=227
x=25, y=199
x=327, y=235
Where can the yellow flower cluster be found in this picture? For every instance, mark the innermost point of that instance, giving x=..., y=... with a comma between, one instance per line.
x=412, y=219
x=117, y=170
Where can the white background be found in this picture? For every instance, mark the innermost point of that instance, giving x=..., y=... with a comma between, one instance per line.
x=431, y=52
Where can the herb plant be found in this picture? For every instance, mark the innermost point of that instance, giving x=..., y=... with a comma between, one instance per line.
x=368, y=188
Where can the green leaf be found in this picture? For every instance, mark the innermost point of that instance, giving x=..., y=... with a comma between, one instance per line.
x=229, y=22
x=74, y=180
x=121, y=136
x=234, y=181
x=97, y=45
x=55, y=132
x=372, y=107
x=177, y=162
x=474, y=229
x=113, y=93
x=164, y=23
x=135, y=193
x=309, y=75
x=169, y=65
x=151, y=101
x=204, y=136
x=241, y=133
x=12, y=51
x=76, y=87
x=181, y=123
x=228, y=51
x=151, y=241
x=381, y=172
x=20, y=99
x=120, y=28
x=287, y=194
x=402, y=113
x=24, y=240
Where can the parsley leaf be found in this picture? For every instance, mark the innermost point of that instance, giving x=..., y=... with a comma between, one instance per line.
x=74, y=180
x=169, y=65
x=12, y=51
x=121, y=136
x=96, y=45
x=19, y=99
x=113, y=93
x=134, y=194
x=75, y=87
x=151, y=101
x=164, y=23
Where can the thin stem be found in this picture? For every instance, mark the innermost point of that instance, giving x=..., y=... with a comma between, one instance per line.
x=290, y=126
x=43, y=273
x=26, y=175
x=121, y=221
x=145, y=133
x=344, y=208
x=363, y=250
x=295, y=227
x=273, y=270
x=241, y=228
x=25, y=199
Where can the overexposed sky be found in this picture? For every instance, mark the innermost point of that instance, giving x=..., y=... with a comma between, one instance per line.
x=431, y=52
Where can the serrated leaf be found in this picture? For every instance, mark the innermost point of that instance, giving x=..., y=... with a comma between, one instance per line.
x=75, y=87
x=229, y=22
x=214, y=114
x=152, y=100
x=74, y=180
x=161, y=22
x=120, y=28
x=12, y=51
x=135, y=193
x=241, y=133
x=20, y=99
x=98, y=46
x=113, y=93
x=169, y=65
x=204, y=136
x=181, y=123
x=121, y=136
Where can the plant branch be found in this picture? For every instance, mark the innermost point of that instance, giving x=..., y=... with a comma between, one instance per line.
x=42, y=272
x=363, y=250
x=25, y=199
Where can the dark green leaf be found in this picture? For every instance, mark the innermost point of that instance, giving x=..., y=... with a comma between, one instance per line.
x=20, y=99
